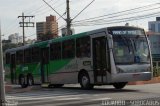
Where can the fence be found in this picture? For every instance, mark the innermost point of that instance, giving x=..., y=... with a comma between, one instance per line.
x=156, y=68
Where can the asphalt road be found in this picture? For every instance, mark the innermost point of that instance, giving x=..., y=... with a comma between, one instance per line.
x=72, y=95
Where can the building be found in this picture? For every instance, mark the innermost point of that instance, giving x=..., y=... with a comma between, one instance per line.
x=15, y=38
x=154, y=37
x=154, y=26
x=52, y=26
x=40, y=29
x=47, y=30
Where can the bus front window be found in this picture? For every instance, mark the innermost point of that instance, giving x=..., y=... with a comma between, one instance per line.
x=123, y=50
x=141, y=49
x=129, y=50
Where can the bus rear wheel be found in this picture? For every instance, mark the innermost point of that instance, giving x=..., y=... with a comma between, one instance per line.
x=85, y=81
x=58, y=85
x=119, y=85
x=22, y=81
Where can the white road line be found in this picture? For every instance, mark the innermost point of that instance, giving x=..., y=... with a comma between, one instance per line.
x=42, y=93
x=74, y=98
x=101, y=99
x=42, y=97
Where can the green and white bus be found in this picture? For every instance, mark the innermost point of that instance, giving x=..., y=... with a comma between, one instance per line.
x=112, y=55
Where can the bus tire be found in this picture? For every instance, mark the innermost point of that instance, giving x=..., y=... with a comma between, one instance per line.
x=85, y=81
x=30, y=80
x=58, y=85
x=119, y=85
x=22, y=81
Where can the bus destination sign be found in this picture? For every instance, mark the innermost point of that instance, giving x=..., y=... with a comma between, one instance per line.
x=127, y=32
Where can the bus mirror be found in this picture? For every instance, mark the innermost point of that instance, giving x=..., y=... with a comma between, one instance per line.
x=110, y=41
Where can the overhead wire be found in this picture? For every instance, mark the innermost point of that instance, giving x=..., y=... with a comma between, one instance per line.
x=83, y=9
x=41, y=12
x=120, y=20
x=121, y=15
x=141, y=7
x=53, y=9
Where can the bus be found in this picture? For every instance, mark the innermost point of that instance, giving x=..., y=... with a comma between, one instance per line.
x=107, y=56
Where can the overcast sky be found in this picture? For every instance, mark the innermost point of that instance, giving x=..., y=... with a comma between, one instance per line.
x=11, y=9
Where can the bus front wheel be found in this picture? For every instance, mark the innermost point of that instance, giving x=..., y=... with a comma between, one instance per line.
x=119, y=85
x=85, y=81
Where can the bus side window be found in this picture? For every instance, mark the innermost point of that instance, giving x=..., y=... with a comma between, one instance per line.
x=83, y=47
x=7, y=58
x=55, y=51
x=35, y=54
x=27, y=56
x=68, y=47
x=19, y=56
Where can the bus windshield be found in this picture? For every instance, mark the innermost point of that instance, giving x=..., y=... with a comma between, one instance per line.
x=123, y=50
x=141, y=49
x=130, y=47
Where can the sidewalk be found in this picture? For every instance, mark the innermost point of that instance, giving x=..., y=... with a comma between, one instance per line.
x=18, y=89
x=154, y=80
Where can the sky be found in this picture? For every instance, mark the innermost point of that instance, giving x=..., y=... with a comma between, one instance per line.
x=11, y=9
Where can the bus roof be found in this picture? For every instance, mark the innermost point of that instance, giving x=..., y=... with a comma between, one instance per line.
x=45, y=43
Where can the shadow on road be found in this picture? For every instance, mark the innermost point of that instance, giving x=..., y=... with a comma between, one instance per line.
x=97, y=90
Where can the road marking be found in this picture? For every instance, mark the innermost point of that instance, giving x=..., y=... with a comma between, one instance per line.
x=42, y=97
x=101, y=99
x=74, y=98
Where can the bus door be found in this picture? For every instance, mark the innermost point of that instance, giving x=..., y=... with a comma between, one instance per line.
x=44, y=64
x=13, y=68
x=99, y=59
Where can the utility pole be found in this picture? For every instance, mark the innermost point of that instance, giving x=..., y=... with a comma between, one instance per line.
x=24, y=24
x=68, y=20
x=2, y=84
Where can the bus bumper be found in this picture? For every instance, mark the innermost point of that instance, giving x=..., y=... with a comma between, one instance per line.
x=128, y=77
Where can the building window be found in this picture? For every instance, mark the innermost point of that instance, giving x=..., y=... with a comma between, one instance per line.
x=55, y=51
x=83, y=47
x=68, y=49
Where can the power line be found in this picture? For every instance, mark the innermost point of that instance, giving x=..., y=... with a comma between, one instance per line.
x=120, y=20
x=120, y=12
x=83, y=9
x=53, y=9
x=45, y=10
x=120, y=15
x=32, y=11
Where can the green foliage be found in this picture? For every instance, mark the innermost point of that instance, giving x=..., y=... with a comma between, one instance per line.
x=10, y=45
